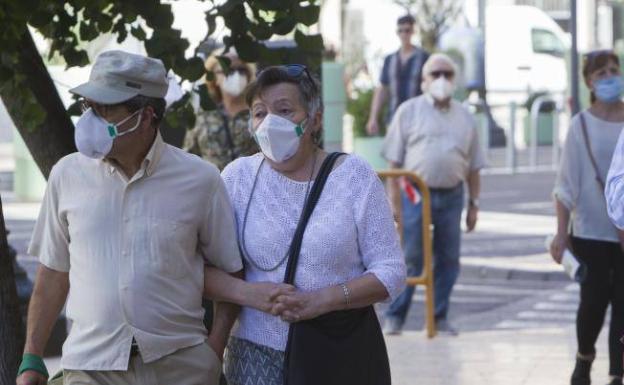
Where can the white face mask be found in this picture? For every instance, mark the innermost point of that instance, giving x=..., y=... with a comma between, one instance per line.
x=94, y=136
x=234, y=84
x=278, y=138
x=441, y=89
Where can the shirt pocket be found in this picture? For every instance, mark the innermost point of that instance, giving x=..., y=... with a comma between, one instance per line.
x=170, y=247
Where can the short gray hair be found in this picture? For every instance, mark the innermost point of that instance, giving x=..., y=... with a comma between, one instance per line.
x=438, y=56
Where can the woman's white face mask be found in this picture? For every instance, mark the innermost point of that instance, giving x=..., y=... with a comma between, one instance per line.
x=94, y=136
x=278, y=137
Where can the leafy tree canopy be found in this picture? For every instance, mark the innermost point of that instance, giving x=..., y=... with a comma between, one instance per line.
x=71, y=24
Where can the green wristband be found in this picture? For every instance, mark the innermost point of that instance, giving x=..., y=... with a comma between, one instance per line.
x=33, y=362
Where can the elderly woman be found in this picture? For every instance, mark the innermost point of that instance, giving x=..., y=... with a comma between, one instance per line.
x=350, y=255
x=583, y=223
x=221, y=135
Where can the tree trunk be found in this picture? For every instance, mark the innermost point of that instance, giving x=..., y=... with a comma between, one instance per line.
x=11, y=326
x=54, y=138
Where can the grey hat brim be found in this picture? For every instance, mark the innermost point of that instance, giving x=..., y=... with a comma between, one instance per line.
x=102, y=95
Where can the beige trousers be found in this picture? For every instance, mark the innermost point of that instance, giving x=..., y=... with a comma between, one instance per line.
x=197, y=365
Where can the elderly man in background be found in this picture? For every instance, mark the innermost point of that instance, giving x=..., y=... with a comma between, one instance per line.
x=435, y=137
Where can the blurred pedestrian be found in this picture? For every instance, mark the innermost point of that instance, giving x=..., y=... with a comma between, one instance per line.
x=435, y=137
x=350, y=256
x=401, y=75
x=221, y=135
x=583, y=224
x=126, y=228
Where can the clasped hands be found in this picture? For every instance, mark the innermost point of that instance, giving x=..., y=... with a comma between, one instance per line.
x=288, y=303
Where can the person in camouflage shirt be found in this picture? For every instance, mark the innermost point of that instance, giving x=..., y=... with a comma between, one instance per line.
x=221, y=135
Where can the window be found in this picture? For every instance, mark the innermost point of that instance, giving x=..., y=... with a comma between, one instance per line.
x=546, y=42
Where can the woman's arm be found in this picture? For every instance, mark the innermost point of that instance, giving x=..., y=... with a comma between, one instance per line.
x=561, y=240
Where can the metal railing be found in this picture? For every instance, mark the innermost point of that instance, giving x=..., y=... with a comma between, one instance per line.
x=530, y=157
x=426, y=277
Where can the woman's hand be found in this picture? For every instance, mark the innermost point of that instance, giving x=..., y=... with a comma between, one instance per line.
x=262, y=295
x=301, y=305
x=558, y=245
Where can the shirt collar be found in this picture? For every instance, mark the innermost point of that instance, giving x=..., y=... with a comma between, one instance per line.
x=151, y=159
x=431, y=102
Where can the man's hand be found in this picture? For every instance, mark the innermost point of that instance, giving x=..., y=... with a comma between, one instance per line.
x=30, y=377
x=558, y=245
x=372, y=128
x=471, y=218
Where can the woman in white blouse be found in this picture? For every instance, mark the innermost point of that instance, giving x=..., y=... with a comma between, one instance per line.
x=582, y=221
x=350, y=255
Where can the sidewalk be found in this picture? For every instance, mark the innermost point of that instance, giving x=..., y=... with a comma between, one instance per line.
x=514, y=357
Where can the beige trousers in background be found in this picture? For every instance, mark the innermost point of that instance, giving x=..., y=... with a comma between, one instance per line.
x=196, y=365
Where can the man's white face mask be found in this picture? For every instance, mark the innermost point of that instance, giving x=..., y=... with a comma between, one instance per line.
x=94, y=136
x=234, y=83
x=441, y=89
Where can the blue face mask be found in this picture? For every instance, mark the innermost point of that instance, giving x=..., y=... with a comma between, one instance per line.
x=608, y=90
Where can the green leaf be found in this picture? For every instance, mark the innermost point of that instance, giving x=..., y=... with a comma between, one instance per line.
x=88, y=31
x=284, y=25
x=75, y=57
x=138, y=32
x=310, y=43
x=193, y=69
x=307, y=15
x=261, y=30
x=205, y=101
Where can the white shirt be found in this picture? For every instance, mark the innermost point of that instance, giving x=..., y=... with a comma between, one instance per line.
x=576, y=187
x=440, y=146
x=350, y=233
x=614, y=191
x=135, y=252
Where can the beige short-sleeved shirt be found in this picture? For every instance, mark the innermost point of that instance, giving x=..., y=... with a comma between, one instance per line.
x=135, y=252
x=441, y=146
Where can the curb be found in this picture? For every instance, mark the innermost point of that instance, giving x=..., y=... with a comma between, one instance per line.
x=481, y=272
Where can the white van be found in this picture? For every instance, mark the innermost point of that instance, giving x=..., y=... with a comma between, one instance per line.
x=524, y=53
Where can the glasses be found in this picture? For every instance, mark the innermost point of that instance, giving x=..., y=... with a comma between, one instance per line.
x=294, y=71
x=405, y=30
x=240, y=69
x=446, y=74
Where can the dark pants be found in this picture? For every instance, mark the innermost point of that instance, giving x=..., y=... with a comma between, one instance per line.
x=604, y=285
x=446, y=210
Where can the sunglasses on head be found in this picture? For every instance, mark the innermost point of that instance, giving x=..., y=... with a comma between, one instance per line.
x=446, y=74
x=594, y=54
x=293, y=71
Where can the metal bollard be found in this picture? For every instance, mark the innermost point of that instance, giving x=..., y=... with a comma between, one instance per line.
x=511, y=143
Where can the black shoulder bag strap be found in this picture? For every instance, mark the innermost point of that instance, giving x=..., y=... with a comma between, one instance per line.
x=589, y=152
x=313, y=198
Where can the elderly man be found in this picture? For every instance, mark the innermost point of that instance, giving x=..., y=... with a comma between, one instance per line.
x=126, y=228
x=435, y=137
x=401, y=75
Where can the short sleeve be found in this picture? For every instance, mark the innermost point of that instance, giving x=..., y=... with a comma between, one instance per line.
x=378, y=239
x=614, y=191
x=567, y=185
x=50, y=238
x=385, y=72
x=217, y=236
x=477, y=157
x=394, y=143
